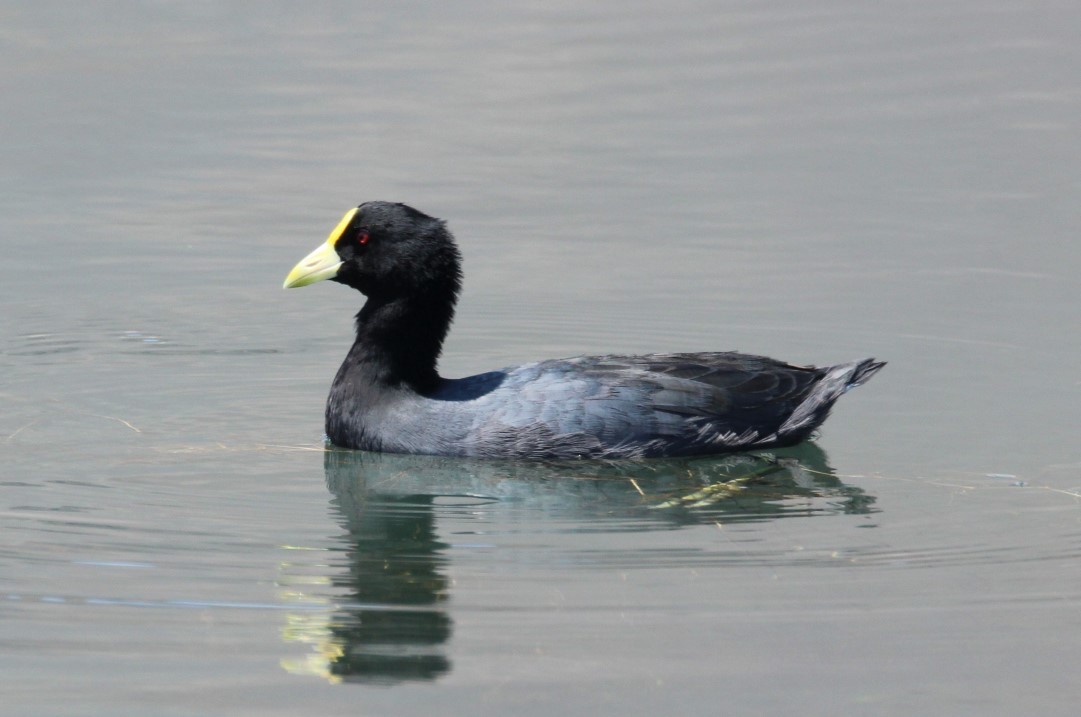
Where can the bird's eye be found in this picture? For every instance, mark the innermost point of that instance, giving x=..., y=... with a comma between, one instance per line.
x=363, y=237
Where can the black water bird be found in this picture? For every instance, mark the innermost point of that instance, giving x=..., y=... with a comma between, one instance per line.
x=388, y=395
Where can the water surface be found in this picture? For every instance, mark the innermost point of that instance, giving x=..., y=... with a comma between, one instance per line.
x=814, y=183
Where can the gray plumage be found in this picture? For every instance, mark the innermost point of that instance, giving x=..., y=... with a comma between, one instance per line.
x=598, y=407
x=388, y=396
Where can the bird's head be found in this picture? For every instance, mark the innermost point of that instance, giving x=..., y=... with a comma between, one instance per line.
x=385, y=249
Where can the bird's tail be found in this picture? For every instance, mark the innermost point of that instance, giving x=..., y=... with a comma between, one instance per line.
x=816, y=406
x=862, y=372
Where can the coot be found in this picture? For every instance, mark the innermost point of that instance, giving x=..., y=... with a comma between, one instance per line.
x=388, y=395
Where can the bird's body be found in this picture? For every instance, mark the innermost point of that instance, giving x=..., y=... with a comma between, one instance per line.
x=593, y=407
x=388, y=396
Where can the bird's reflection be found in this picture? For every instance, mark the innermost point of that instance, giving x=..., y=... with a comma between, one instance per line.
x=392, y=624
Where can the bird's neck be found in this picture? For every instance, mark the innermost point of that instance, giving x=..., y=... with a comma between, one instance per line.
x=399, y=340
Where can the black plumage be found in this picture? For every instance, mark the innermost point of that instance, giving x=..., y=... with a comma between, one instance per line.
x=388, y=395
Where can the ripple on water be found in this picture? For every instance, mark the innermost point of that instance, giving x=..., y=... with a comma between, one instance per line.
x=41, y=344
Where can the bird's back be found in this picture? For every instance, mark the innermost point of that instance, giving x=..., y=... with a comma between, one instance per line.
x=632, y=406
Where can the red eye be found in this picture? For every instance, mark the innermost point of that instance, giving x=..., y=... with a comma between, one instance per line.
x=363, y=238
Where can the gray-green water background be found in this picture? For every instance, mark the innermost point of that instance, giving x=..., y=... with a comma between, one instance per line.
x=814, y=181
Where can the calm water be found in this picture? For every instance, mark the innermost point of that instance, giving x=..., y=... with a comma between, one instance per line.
x=818, y=183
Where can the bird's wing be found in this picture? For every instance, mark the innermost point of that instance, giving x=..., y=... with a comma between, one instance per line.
x=601, y=402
